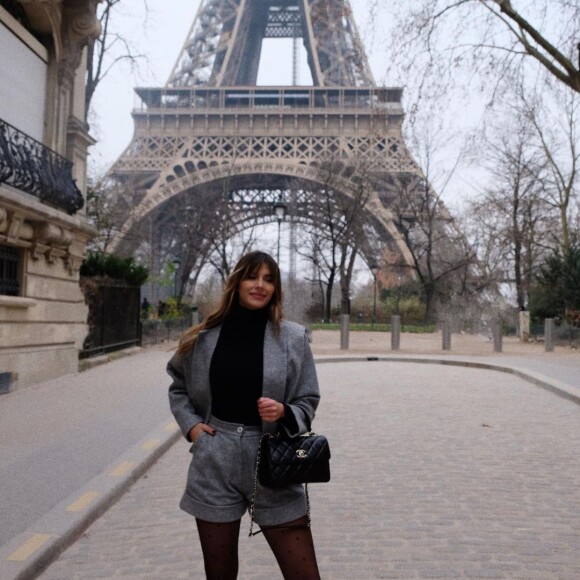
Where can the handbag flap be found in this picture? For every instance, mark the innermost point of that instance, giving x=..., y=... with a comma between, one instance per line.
x=307, y=449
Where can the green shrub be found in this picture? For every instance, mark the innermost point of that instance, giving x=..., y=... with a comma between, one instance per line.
x=175, y=311
x=109, y=265
x=556, y=292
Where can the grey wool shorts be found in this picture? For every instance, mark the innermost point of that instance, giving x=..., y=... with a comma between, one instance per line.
x=220, y=481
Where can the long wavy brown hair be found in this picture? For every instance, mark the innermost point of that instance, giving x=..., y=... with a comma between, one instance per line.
x=247, y=266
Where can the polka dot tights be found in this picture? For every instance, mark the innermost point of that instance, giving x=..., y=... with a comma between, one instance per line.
x=291, y=543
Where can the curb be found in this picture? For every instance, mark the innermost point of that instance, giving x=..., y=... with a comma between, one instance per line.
x=89, y=363
x=27, y=555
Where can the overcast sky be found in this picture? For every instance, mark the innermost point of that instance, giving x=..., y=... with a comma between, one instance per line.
x=159, y=36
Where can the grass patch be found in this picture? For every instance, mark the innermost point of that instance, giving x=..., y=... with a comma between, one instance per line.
x=378, y=327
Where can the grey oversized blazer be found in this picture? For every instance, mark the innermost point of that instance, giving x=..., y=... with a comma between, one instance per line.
x=289, y=377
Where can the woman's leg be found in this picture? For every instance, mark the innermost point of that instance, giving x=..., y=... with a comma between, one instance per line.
x=219, y=544
x=294, y=549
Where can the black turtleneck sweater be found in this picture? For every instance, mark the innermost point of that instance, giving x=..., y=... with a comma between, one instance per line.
x=236, y=370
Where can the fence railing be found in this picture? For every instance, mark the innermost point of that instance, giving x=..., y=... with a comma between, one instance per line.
x=113, y=319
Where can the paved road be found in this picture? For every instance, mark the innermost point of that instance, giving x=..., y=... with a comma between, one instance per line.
x=438, y=472
x=57, y=435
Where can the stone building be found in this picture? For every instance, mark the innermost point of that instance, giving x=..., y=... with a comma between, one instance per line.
x=43, y=153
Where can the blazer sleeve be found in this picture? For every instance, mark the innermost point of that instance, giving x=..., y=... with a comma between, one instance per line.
x=179, y=400
x=302, y=390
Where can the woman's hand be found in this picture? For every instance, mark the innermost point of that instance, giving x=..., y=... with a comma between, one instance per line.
x=270, y=410
x=198, y=430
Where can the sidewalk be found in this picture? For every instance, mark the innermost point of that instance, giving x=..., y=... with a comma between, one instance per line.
x=145, y=535
x=561, y=368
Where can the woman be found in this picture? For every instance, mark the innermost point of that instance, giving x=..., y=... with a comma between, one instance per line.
x=242, y=372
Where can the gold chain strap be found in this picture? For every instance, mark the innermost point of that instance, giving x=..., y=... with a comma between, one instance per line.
x=253, y=504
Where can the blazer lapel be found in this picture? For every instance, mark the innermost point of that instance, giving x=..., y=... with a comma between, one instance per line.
x=275, y=365
x=203, y=351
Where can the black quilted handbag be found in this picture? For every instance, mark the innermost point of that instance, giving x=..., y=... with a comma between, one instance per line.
x=284, y=461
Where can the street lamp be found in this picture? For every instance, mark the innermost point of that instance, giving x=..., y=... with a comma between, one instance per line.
x=176, y=262
x=374, y=268
x=280, y=210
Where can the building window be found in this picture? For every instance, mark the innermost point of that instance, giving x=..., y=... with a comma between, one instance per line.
x=9, y=269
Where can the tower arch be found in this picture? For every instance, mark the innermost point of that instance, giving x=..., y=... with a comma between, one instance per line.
x=259, y=178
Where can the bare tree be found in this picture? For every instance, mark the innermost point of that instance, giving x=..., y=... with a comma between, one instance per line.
x=509, y=219
x=105, y=211
x=337, y=235
x=232, y=235
x=553, y=115
x=322, y=249
x=438, y=250
x=108, y=50
x=486, y=37
x=440, y=253
x=354, y=235
x=313, y=249
x=195, y=217
x=183, y=234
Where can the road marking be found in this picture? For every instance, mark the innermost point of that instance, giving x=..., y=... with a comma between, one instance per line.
x=83, y=501
x=171, y=427
x=122, y=468
x=151, y=444
x=29, y=547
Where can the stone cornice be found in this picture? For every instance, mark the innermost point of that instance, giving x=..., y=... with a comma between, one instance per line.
x=71, y=24
x=80, y=26
x=47, y=234
x=79, y=131
x=16, y=302
x=12, y=199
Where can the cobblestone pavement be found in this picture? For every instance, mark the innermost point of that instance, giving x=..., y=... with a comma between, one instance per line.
x=437, y=472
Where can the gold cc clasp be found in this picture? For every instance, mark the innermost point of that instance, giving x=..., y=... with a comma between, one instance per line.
x=301, y=454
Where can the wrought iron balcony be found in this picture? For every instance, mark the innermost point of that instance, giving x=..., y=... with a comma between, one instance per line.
x=28, y=165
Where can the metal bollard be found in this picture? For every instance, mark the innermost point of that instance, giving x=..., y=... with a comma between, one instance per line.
x=497, y=336
x=549, y=328
x=6, y=382
x=344, y=329
x=395, y=332
x=446, y=334
x=524, y=325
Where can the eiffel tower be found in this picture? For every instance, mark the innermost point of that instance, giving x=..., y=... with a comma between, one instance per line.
x=211, y=124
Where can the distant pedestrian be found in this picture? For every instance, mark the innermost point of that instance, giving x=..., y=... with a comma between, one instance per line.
x=160, y=309
x=145, y=307
x=242, y=372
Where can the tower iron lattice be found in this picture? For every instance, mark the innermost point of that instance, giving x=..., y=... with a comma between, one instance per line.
x=212, y=128
x=224, y=44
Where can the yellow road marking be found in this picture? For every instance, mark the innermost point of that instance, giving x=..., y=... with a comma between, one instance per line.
x=83, y=501
x=171, y=427
x=29, y=547
x=122, y=468
x=151, y=444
